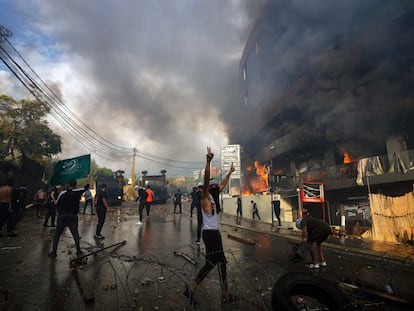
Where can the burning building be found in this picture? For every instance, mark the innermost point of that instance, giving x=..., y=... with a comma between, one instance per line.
x=327, y=97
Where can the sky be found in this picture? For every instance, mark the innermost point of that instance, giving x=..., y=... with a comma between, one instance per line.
x=155, y=75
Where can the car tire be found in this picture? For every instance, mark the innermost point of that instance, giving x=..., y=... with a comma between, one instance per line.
x=299, y=283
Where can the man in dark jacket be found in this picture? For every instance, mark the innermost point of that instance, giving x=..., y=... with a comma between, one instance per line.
x=51, y=208
x=68, y=209
x=142, y=197
x=101, y=208
x=177, y=200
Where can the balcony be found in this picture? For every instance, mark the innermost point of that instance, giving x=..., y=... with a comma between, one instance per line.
x=377, y=170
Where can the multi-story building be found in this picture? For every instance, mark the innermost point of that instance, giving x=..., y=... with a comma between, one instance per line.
x=327, y=96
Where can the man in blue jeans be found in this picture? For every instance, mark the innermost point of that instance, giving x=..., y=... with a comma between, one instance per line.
x=88, y=201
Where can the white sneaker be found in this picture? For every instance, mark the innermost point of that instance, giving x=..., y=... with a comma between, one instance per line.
x=313, y=266
x=323, y=264
x=139, y=223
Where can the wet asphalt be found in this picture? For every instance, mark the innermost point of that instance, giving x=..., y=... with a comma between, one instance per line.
x=146, y=267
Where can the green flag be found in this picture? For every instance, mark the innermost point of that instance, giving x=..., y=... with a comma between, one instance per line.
x=71, y=169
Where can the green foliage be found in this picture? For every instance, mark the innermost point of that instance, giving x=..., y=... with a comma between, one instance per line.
x=24, y=130
x=96, y=169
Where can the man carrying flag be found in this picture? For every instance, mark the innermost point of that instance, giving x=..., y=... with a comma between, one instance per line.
x=68, y=200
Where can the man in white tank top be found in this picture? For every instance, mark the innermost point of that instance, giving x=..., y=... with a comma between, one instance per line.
x=212, y=239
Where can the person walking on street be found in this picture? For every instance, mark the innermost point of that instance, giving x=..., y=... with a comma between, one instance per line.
x=142, y=197
x=239, y=207
x=177, y=200
x=88, y=201
x=212, y=239
x=6, y=207
x=255, y=210
x=193, y=201
x=276, y=209
x=51, y=206
x=148, y=200
x=21, y=202
x=197, y=204
x=315, y=231
x=68, y=209
x=101, y=208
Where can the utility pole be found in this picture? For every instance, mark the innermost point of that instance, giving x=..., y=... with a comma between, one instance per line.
x=133, y=171
x=270, y=175
x=270, y=182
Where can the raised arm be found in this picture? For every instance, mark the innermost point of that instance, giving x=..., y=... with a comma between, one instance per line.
x=227, y=178
x=205, y=195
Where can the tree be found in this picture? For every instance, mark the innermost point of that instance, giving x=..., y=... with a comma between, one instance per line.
x=24, y=130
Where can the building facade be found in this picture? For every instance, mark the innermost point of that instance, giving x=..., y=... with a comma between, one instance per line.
x=326, y=87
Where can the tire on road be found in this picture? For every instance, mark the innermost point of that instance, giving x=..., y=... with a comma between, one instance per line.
x=299, y=283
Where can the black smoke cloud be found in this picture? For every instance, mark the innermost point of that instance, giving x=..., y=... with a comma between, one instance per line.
x=330, y=74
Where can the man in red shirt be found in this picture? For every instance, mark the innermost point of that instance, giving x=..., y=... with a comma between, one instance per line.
x=148, y=200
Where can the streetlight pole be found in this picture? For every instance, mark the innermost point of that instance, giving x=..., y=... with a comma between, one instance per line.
x=269, y=180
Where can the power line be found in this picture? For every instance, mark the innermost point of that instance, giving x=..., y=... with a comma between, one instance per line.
x=71, y=123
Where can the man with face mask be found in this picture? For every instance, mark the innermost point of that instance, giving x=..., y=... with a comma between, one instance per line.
x=212, y=239
x=215, y=188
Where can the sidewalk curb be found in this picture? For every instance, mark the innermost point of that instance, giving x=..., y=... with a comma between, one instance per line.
x=344, y=247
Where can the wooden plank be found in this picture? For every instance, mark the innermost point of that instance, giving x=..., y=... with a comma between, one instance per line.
x=240, y=239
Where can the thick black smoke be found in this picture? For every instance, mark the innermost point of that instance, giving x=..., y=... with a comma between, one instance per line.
x=329, y=75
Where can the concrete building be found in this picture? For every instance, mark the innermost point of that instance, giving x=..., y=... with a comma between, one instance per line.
x=327, y=97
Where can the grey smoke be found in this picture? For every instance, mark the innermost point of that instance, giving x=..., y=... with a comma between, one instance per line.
x=161, y=67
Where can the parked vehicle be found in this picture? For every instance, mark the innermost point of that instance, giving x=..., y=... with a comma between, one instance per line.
x=115, y=184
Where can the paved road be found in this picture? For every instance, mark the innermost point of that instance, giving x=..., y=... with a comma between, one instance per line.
x=147, y=274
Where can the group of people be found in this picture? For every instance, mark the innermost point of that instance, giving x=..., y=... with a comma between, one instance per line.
x=12, y=205
x=205, y=198
x=255, y=209
x=315, y=231
x=145, y=198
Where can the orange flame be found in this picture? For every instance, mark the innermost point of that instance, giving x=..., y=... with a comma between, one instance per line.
x=246, y=192
x=347, y=158
x=257, y=182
